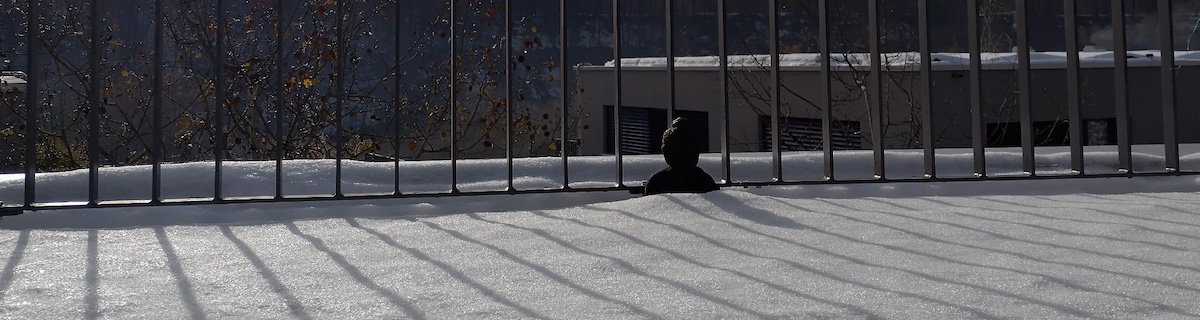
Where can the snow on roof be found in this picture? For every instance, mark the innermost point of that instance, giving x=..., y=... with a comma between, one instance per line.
x=912, y=60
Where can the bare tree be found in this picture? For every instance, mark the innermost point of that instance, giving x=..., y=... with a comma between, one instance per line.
x=395, y=101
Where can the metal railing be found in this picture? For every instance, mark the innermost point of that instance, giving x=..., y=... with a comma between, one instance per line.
x=875, y=82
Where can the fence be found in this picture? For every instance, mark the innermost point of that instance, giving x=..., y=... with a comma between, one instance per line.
x=31, y=149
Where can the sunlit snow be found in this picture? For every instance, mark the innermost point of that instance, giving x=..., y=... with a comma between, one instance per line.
x=1064, y=248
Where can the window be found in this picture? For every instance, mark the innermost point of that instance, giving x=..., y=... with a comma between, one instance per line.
x=1052, y=133
x=805, y=134
x=642, y=129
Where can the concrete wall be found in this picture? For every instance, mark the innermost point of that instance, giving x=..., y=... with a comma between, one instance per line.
x=699, y=89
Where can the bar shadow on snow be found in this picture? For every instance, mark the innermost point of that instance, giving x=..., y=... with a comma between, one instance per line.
x=1126, y=215
x=354, y=272
x=1004, y=204
x=857, y=310
x=1093, y=185
x=737, y=207
x=925, y=237
x=975, y=312
x=1060, y=308
x=281, y=212
x=14, y=259
x=539, y=269
x=1052, y=245
x=630, y=267
x=1180, y=200
x=92, y=276
x=451, y=270
x=266, y=213
x=1160, y=206
x=186, y=290
x=1025, y=256
x=293, y=304
x=1068, y=310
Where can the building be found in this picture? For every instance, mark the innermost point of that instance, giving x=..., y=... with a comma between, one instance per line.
x=644, y=98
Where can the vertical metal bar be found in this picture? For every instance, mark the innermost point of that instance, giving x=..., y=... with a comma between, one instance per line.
x=453, y=98
x=977, y=128
x=926, y=89
x=157, y=150
x=564, y=143
x=722, y=47
x=280, y=101
x=339, y=72
x=1025, y=89
x=508, y=91
x=32, y=107
x=396, y=103
x=616, y=12
x=1074, y=116
x=1166, y=35
x=219, y=130
x=1120, y=87
x=876, y=96
x=94, y=106
x=670, y=35
x=776, y=94
x=826, y=104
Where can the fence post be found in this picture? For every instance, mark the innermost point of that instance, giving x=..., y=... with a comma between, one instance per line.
x=876, y=97
x=339, y=71
x=157, y=150
x=508, y=107
x=32, y=107
x=826, y=102
x=1120, y=87
x=453, y=101
x=280, y=100
x=1025, y=89
x=94, y=106
x=722, y=47
x=566, y=92
x=926, y=89
x=219, y=130
x=616, y=31
x=977, y=127
x=396, y=103
x=1074, y=116
x=776, y=95
x=1166, y=35
x=670, y=35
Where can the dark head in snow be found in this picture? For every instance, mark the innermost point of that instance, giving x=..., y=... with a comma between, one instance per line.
x=681, y=146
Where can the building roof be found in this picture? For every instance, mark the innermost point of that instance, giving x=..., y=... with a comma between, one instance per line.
x=909, y=61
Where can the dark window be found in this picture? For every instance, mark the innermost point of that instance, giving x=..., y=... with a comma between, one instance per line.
x=1101, y=131
x=642, y=129
x=806, y=134
x=1052, y=133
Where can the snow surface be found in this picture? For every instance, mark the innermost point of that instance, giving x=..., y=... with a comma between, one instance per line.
x=912, y=60
x=1067, y=248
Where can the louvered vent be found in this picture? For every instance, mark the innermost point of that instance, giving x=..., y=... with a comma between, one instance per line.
x=805, y=134
x=642, y=129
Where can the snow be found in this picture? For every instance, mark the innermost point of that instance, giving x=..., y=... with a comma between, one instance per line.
x=1063, y=248
x=912, y=60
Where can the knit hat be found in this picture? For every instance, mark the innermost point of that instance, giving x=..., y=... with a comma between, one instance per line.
x=681, y=143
